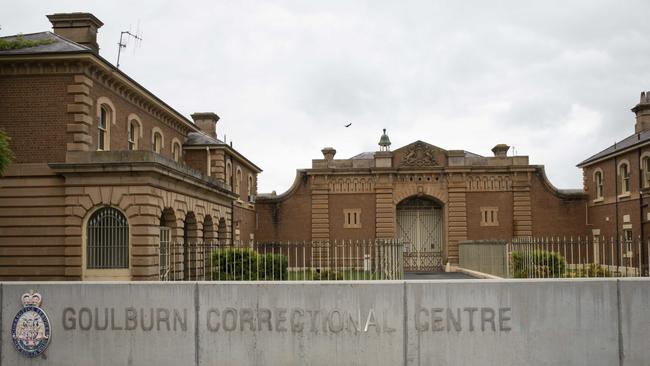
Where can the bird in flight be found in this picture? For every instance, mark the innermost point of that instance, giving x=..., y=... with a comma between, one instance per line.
x=348, y=125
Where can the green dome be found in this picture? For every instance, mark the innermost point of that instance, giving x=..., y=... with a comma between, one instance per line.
x=384, y=140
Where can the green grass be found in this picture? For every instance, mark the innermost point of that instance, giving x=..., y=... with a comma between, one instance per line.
x=20, y=42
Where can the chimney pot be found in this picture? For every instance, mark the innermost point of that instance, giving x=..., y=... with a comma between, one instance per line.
x=77, y=27
x=501, y=150
x=328, y=153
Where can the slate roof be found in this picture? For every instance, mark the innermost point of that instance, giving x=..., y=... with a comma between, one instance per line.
x=201, y=139
x=626, y=143
x=60, y=44
x=369, y=155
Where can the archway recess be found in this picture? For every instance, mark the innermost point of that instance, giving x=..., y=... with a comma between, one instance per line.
x=420, y=227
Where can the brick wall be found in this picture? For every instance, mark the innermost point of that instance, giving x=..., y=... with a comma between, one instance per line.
x=286, y=218
x=33, y=113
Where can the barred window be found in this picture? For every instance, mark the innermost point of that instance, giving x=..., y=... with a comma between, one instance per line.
x=108, y=240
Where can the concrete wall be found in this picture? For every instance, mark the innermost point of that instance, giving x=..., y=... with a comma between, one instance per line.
x=524, y=322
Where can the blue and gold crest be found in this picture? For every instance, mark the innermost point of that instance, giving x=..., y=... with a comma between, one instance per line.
x=30, y=329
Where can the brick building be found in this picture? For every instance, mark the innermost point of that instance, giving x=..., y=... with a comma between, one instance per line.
x=430, y=197
x=105, y=173
x=617, y=180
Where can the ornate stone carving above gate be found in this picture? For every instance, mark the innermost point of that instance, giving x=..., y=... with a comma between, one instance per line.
x=419, y=154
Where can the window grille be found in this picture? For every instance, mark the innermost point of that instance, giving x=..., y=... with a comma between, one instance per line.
x=108, y=240
x=165, y=257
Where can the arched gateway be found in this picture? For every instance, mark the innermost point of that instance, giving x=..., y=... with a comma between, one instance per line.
x=420, y=227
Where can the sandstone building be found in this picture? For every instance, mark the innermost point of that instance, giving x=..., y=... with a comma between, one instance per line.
x=105, y=173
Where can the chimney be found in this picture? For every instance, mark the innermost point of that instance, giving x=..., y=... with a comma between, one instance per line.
x=501, y=150
x=642, y=111
x=77, y=27
x=328, y=153
x=206, y=122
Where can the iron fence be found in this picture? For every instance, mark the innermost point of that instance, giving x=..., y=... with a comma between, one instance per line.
x=558, y=257
x=590, y=256
x=286, y=261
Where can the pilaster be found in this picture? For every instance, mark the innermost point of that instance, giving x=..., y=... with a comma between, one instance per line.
x=456, y=215
x=522, y=213
x=78, y=129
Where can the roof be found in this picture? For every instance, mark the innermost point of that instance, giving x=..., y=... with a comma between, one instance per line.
x=368, y=155
x=201, y=139
x=59, y=45
x=619, y=147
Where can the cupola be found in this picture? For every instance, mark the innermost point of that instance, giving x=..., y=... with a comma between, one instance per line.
x=384, y=142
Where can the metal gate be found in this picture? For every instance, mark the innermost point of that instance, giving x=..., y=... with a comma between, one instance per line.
x=419, y=225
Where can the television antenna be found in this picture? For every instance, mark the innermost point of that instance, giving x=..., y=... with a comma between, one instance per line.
x=123, y=43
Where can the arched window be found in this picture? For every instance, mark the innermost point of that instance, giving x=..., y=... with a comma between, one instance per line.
x=229, y=173
x=176, y=150
x=598, y=179
x=238, y=181
x=250, y=188
x=157, y=142
x=105, y=114
x=108, y=240
x=102, y=128
x=133, y=131
x=624, y=172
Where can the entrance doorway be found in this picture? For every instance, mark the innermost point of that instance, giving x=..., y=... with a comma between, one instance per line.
x=419, y=226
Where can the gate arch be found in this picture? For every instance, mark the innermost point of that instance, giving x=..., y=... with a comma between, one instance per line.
x=420, y=227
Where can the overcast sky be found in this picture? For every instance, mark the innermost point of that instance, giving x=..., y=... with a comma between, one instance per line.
x=554, y=79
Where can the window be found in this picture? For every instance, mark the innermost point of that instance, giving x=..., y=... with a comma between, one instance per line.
x=157, y=142
x=624, y=171
x=645, y=165
x=489, y=216
x=102, y=128
x=250, y=189
x=598, y=179
x=133, y=132
x=229, y=173
x=238, y=181
x=352, y=218
x=176, y=150
x=107, y=240
x=627, y=237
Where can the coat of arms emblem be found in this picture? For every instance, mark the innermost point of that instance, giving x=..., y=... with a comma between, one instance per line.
x=30, y=329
